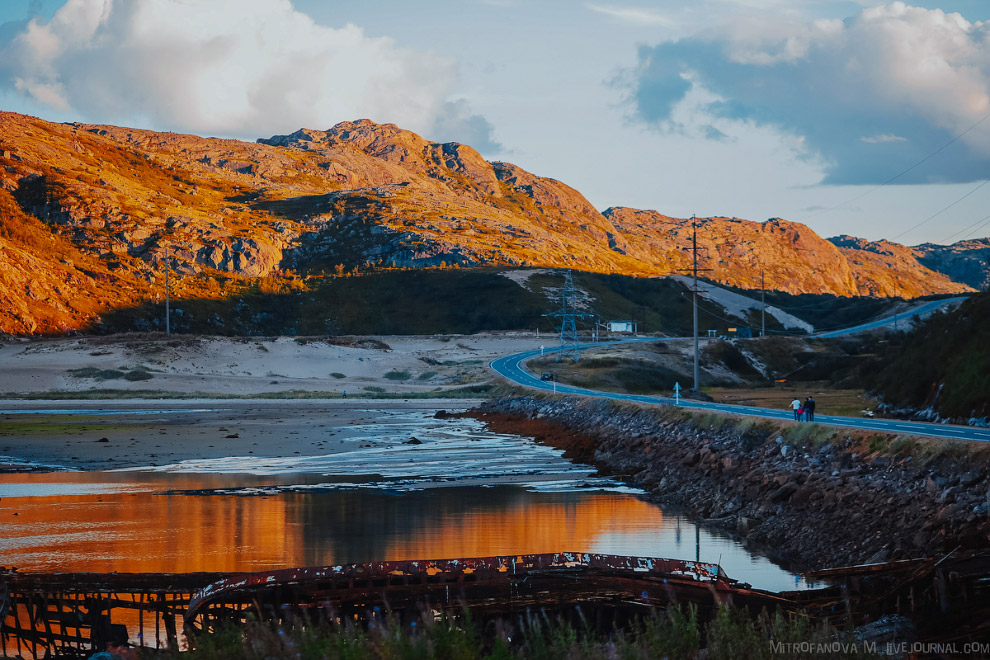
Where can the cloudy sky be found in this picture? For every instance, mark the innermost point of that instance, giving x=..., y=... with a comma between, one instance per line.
x=851, y=116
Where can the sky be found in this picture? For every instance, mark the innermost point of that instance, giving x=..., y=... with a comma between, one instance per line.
x=853, y=117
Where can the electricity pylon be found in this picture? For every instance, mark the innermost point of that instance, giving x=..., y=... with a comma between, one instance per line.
x=568, y=315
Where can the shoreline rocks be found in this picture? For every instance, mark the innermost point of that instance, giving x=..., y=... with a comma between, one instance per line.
x=828, y=501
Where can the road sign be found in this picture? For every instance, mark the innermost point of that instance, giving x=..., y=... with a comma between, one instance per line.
x=677, y=394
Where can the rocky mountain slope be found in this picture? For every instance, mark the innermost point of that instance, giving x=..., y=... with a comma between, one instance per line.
x=90, y=215
x=966, y=261
x=883, y=268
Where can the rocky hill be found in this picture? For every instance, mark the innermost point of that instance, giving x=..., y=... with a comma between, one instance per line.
x=966, y=261
x=90, y=215
x=886, y=269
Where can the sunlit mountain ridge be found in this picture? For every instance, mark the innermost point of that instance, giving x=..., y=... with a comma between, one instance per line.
x=90, y=215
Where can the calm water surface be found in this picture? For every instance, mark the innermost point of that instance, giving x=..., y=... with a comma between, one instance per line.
x=463, y=492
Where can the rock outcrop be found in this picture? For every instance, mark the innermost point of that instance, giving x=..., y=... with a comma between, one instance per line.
x=966, y=261
x=888, y=269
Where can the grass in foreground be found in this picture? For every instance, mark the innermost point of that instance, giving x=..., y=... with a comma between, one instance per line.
x=675, y=633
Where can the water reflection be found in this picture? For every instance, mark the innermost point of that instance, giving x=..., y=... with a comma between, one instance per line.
x=137, y=522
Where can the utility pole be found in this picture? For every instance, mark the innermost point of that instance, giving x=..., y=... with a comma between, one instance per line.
x=763, y=304
x=694, y=292
x=168, y=329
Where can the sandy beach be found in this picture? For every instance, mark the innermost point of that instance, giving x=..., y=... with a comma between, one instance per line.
x=226, y=366
x=143, y=424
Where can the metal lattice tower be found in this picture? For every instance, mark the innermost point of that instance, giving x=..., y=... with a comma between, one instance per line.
x=568, y=315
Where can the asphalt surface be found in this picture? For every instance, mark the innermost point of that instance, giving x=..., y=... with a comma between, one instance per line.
x=512, y=367
x=921, y=310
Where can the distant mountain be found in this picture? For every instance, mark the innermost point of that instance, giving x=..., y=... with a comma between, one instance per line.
x=966, y=261
x=89, y=215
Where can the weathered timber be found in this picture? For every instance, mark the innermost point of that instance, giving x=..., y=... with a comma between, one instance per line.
x=486, y=585
x=72, y=615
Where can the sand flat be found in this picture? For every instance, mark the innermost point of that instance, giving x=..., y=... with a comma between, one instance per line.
x=69, y=435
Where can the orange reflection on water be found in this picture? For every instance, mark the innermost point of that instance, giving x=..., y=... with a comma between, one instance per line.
x=159, y=531
x=528, y=528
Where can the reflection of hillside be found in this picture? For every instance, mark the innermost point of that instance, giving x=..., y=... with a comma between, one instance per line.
x=451, y=522
x=147, y=533
x=181, y=533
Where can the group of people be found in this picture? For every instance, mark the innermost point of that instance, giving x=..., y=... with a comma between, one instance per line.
x=807, y=409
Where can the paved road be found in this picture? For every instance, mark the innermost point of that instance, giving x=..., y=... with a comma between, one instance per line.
x=920, y=310
x=513, y=368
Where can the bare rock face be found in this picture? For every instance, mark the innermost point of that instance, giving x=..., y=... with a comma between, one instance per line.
x=966, y=261
x=114, y=201
x=462, y=159
x=785, y=256
x=545, y=193
x=888, y=269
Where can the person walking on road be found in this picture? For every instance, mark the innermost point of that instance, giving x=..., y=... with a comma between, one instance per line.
x=796, y=405
x=809, y=410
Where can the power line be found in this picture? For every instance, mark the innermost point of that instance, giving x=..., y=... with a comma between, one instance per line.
x=907, y=231
x=899, y=174
x=985, y=220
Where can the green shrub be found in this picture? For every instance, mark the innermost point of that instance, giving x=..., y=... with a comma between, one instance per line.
x=98, y=374
x=879, y=443
x=810, y=435
x=397, y=375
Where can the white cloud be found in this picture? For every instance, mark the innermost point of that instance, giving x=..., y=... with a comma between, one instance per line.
x=883, y=138
x=635, y=15
x=230, y=67
x=912, y=78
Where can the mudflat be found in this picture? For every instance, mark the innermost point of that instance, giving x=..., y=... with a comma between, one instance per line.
x=102, y=435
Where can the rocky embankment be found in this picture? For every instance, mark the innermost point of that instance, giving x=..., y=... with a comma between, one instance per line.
x=805, y=495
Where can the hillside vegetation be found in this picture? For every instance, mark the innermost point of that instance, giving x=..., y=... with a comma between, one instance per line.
x=943, y=366
x=431, y=301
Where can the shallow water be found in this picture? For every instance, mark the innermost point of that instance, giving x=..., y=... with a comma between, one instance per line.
x=463, y=492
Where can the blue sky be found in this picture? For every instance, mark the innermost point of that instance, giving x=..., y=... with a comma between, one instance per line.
x=857, y=118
